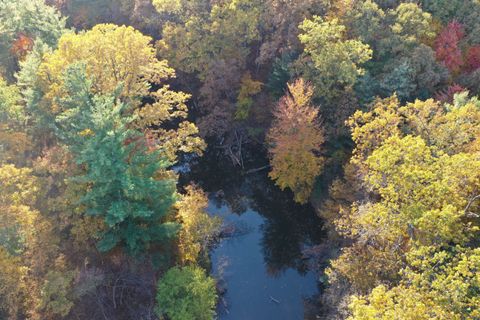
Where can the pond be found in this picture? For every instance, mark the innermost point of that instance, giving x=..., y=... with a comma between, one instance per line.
x=261, y=266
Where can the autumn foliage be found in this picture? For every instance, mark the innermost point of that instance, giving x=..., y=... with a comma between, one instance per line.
x=447, y=47
x=448, y=94
x=295, y=139
x=473, y=58
x=22, y=45
x=96, y=101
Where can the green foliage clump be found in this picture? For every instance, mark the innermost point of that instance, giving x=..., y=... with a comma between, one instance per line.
x=10, y=106
x=121, y=174
x=23, y=22
x=186, y=294
x=330, y=61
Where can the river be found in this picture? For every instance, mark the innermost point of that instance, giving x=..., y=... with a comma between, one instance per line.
x=261, y=266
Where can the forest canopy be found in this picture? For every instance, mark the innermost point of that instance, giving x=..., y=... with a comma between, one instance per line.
x=367, y=110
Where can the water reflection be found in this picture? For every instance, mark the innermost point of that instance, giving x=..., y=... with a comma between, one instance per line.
x=287, y=230
x=265, y=274
x=288, y=227
x=252, y=292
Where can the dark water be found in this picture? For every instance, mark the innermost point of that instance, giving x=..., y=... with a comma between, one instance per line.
x=261, y=265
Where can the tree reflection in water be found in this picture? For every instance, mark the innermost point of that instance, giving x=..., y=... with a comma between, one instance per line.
x=288, y=228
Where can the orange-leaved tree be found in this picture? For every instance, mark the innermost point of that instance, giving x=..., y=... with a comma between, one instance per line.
x=295, y=139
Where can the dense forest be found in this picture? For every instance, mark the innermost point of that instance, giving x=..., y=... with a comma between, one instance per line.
x=366, y=111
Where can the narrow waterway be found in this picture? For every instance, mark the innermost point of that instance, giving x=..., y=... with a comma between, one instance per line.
x=260, y=266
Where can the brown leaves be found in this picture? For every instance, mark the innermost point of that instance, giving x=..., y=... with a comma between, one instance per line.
x=21, y=46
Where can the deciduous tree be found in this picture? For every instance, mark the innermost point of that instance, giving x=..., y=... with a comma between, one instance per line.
x=115, y=55
x=296, y=138
x=13, y=139
x=438, y=284
x=198, y=228
x=447, y=46
x=416, y=163
x=20, y=21
x=186, y=294
x=213, y=41
x=28, y=246
x=330, y=61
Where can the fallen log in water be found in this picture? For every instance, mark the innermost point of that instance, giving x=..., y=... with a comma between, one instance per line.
x=257, y=169
x=274, y=300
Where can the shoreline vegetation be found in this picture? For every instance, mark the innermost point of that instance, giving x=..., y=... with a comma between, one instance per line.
x=117, y=117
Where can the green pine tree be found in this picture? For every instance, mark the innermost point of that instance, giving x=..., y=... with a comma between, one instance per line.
x=120, y=172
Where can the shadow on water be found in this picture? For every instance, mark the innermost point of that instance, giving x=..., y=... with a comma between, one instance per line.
x=261, y=267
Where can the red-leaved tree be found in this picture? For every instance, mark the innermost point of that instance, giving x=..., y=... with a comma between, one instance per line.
x=473, y=58
x=447, y=95
x=447, y=47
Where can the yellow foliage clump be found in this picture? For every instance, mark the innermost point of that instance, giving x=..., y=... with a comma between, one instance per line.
x=437, y=284
x=112, y=55
x=418, y=167
x=122, y=57
x=28, y=250
x=198, y=228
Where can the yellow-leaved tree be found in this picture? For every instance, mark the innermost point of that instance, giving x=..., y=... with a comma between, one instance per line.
x=28, y=250
x=437, y=284
x=198, y=228
x=120, y=56
x=413, y=233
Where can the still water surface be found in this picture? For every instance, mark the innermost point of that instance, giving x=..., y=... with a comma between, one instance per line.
x=261, y=266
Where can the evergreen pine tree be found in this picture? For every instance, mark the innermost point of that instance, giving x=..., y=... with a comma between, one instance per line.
x=120, y=172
